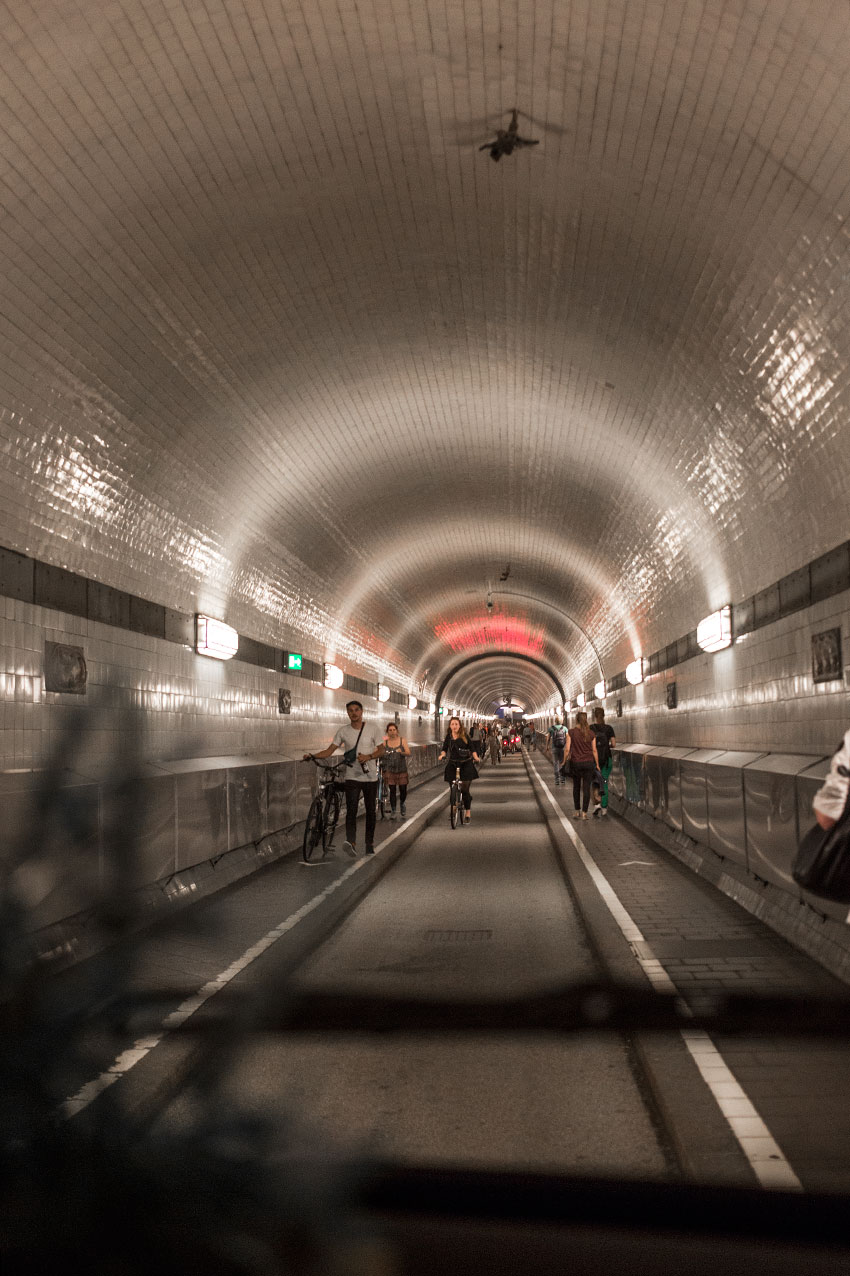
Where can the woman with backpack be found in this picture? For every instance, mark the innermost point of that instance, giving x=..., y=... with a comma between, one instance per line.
x=584, y=762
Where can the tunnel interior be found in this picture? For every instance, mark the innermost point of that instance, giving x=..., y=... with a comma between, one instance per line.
x=283, y=346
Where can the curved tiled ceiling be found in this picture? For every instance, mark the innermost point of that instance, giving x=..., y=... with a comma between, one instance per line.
x=279, y=340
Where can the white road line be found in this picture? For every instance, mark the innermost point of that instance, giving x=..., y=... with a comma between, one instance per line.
x=139, y=1049
x=754, y=1138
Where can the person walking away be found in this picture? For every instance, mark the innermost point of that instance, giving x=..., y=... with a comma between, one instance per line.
x=605, y=742
x=581, y=752
x=362, y=745
x=527, y=734
x=494, y=744
x=831, y=798
x=556, y=743
x=458, y=752
x=394, y=762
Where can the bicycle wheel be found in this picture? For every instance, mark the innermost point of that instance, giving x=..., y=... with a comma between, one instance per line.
x=312, y=830
x=331, y=819
x=459, y=807
x=454, y=805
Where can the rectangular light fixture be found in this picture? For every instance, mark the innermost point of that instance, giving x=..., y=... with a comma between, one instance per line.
x=715, y=632
x=634, y=672
x=334, y=677
x=215, y=638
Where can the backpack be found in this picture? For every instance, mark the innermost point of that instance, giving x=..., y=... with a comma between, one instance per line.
x=559, y=738
x=603, y=744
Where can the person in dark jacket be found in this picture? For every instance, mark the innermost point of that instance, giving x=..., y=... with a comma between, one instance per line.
x=459, y=752
x=605, y=742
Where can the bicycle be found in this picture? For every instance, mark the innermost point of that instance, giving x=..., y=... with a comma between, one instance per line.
x=382, y=790
x=323, y=815
x=456, y=801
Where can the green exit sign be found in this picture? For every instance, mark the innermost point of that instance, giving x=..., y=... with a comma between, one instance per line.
x=293, y=660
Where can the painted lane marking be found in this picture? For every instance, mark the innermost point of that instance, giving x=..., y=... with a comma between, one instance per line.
x=141, y=1048
x=754, y=1138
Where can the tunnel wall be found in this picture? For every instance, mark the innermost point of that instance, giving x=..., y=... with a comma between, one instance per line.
x=757, y=694
x=183, y=704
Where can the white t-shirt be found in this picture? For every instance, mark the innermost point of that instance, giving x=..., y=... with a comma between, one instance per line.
x=346, y=738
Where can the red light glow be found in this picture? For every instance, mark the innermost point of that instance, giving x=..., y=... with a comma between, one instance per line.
x=502, y=633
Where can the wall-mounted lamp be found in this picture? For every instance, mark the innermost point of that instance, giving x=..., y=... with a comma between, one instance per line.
x=383, y=693
x=412, y=701
x=634, y=672
x=715, y=632
x=215, y=638
x=432, y=707
x=581, y=700
x=599, y=690
x=334, y=677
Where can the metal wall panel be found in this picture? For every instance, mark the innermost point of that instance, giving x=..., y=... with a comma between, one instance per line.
x=107, y=605
x=632, y=757
x=727, y=825
x=246, y=805
x=692, y=782
x=653, y=798
x=59, y=589
x=670, y=787
x=770, y=803
x=65, y=861
x=201, y=816
x=17, y=575
x=280, y=794
x=617, y=778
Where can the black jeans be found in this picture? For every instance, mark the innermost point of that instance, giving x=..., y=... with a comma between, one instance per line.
x=353, y=789
x=582, y=773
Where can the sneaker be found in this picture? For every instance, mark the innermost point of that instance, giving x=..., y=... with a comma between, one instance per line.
x=603, y=810
x=370, y=850
x=467, y=816
x=391, y=815
x=350, y=849
x=404, y=812
x=597, y=811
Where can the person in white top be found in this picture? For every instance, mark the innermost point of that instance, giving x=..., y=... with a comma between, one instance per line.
x=831, y=798
x=362, y=744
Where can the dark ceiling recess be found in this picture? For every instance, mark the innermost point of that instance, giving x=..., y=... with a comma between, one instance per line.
x=490, y=655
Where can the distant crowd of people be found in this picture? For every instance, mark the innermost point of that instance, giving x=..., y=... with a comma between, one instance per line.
x=582, y=752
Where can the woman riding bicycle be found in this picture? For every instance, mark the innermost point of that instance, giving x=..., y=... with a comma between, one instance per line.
x=460, y=753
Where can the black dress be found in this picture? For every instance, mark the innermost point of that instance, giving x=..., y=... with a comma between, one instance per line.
x=459, y=754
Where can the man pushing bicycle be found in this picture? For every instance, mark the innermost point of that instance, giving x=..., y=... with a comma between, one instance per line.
x=362, y=744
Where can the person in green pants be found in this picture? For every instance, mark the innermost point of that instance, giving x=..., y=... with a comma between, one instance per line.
x=605, y=742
